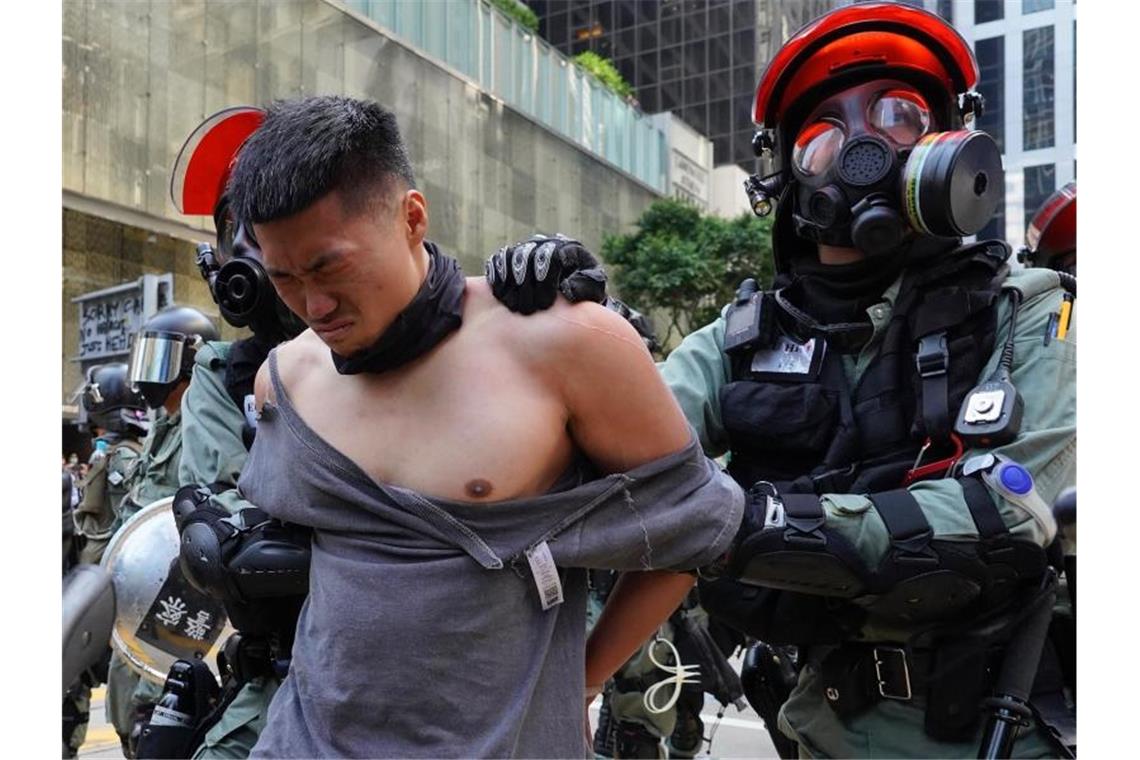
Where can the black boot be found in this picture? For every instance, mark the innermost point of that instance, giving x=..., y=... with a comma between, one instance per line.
x=633, y=740
x=689, y=734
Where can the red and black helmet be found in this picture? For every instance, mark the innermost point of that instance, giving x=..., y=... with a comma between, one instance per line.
x=856, y=44
x=1052, y=233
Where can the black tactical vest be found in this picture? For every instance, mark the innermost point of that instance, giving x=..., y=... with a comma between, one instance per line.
x=822, y=436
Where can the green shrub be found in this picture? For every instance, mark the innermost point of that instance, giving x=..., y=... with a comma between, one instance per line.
x=605, y=72
x=520, y=12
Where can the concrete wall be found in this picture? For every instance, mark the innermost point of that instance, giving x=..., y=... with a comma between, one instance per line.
x=140, y=75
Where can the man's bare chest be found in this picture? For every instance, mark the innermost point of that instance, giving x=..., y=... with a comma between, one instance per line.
x=463, y=425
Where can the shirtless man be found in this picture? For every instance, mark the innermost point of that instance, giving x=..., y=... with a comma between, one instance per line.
x=452, y=460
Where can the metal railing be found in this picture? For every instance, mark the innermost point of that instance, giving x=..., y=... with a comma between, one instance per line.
x=528, y=74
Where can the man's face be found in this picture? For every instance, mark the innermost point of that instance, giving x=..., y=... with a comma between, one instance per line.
x=347, y=274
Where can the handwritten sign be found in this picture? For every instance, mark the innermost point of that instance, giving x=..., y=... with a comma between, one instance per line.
x=109, y=317
x=106, y=325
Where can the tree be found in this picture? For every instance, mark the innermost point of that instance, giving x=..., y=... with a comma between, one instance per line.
x=686, y=266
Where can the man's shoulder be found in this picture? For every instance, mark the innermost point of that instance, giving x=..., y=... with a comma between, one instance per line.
x=564, y=335
x=294, y=358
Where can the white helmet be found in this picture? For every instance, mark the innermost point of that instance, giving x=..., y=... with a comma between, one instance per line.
x=159, y=616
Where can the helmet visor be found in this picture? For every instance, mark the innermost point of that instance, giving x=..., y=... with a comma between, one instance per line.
x=156, y=357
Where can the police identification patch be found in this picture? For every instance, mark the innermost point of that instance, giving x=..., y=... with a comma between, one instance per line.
x=789, y=359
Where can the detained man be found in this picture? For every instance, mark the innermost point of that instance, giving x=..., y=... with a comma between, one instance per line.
x=460, y=466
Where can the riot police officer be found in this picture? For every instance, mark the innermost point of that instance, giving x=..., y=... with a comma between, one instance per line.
x=162, y=356
x=117, y=415
x=898, y=404
x=1051, y=237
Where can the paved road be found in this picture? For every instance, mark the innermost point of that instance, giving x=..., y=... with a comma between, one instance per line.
x=739, y=734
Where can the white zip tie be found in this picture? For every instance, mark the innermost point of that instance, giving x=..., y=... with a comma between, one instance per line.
x=680, y=675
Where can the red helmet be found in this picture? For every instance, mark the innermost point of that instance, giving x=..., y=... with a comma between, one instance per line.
x=857, y=44
x=203, y=164
x=1053, y=231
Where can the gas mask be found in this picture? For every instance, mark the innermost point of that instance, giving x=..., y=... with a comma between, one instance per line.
x=870, y=174
x=239, y=284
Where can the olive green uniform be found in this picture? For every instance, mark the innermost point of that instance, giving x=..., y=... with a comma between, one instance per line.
x=213, y=452
x=96, y=519
x=1045, y=376
x=153, y=476
x=97, y=516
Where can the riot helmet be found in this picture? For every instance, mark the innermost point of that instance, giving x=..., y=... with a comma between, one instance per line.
x=233, y=267
x=1051, y=238
x=110, y=401
x=860, y=117
x=162, y=354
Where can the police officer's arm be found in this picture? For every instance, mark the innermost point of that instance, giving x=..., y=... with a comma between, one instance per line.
x=1045, y=376
x=695, y=372
x=212, y=447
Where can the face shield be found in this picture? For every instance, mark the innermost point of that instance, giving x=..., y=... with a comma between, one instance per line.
x=156, y=357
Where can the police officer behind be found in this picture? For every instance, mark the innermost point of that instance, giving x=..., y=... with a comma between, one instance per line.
x=162, y=356
x=117, y=415
x=899, y=404
x=1051, y=238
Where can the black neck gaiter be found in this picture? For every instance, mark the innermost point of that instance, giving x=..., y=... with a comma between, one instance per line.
x=434, y=313
x=834, y=293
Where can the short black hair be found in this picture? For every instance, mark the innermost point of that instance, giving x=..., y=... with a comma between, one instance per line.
x=308, y=147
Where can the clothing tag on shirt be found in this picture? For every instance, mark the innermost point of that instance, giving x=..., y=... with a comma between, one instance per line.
x=787, y=357
x=545, y=575
x=251, y=410
x=115, y=478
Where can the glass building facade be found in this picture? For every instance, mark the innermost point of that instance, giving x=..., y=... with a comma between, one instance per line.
x=696, y=58
x=1037, y=87
x=1026, y=51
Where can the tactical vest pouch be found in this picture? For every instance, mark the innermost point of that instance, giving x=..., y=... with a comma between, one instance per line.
x=784, y=418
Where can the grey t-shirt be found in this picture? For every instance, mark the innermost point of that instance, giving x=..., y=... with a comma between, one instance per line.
x=423, y=634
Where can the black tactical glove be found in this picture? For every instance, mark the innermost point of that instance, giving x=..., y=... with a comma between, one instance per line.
x=529, y=275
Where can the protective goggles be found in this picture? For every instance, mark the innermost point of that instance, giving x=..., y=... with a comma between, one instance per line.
x=156, y=357
x=901, y=116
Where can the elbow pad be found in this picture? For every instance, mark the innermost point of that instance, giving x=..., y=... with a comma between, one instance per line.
x=243, y=557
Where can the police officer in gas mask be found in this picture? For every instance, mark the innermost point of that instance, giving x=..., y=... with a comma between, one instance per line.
x=161, y=359
x=224, y=536
x=899, y=405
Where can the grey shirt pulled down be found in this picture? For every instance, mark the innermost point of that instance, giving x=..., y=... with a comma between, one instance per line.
x=423, y=634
